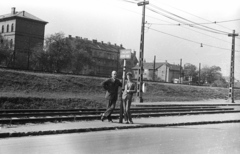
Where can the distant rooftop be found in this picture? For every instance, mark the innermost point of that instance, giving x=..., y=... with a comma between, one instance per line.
x=21, y=14
x=147, y=65
x=99, y=45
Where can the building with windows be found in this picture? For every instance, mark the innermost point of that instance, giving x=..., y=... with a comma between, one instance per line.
x=24, y=31
x=163, y=71
x=106, y=57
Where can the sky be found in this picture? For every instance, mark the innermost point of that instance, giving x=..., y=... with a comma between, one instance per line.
x=118, y=21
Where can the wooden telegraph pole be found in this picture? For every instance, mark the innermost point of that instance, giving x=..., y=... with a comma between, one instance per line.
x=231, y=82
x=141, y=54
x=199, y=74
x=180, y=76
x=154, y=62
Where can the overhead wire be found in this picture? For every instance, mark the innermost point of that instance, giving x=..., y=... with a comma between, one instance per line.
x=190, y=40
x=160, y=13
x=191, y=22
x=192, y=26
x=194, y=15
x=184, y=27
x=129, y=1
x=206, y=23
x=202, y=34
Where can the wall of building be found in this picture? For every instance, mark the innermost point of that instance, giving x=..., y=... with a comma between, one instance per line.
x=174, y=74
x=30, y=27
x=29, y=34
x=8, y=33
x=162, y=73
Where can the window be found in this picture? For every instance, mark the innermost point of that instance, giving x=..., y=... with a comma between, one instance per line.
x=12, y=28
x=7, y=28
x=11, y=43
x=2, y=28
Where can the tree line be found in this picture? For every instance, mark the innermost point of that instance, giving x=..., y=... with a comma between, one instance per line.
x=208, y=75
x=61, y=54
x=58, y=54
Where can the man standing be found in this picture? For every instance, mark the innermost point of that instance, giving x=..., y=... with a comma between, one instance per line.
x=111, y=86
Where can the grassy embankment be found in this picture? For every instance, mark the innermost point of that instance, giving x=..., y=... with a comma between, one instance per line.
x=26, y=90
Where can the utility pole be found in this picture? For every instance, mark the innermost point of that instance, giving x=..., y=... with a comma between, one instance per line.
x=154, y=68
x=141, y=54
x=199, y=73
x=180, y=76
x=231, y=82
x=166, y=72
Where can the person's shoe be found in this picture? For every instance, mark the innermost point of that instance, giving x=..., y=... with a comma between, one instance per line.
x=110, y=120
x=131, y=122
x=127, y=122
x=102, y=117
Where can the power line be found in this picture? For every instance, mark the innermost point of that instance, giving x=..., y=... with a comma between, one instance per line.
x=193, y=15
x=206, y=23
x=187, y=19
x=227, y=21
x=146, y=15
x=191, y=25
x=180, y=24
x=183, y=22
x=129, y=1
x=191, y=40
x=201, y=33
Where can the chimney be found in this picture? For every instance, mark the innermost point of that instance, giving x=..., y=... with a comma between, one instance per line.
x=121, y=45
x=102, y=42
x=115, y=44
x=70, y=36
x=23, y=13
x=94, y=41
x=13, y=10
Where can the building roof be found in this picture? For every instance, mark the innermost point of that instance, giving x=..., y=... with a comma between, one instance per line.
x=149, y=65
x=174, y=67
x=157, y=65
x=94, y=44
x=21, y=14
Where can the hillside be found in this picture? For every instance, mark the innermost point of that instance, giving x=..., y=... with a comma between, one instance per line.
x=19, y=89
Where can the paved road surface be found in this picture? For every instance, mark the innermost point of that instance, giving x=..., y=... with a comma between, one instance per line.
x=202, y=139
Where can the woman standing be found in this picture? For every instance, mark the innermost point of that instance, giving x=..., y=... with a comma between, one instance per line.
x=129, y=89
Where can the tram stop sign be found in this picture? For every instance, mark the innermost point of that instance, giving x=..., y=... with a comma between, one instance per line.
x=125, y=54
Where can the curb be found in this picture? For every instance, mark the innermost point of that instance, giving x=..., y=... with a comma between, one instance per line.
x=84, y=130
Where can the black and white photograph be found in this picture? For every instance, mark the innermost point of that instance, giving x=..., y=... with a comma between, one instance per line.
x=120, y=77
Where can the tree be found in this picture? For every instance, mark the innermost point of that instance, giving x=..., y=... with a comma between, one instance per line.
x=61, y=54
x=40, y=59
x=190, y=71
x=213, y=76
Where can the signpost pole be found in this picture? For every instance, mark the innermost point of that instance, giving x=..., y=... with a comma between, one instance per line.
x=123, y=84
x=124, y=54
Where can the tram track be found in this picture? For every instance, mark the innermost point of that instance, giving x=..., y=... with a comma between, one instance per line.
x=49, y=115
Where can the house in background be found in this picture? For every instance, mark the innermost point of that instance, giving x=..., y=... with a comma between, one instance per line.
x=163, y=71
x=106, y=57
x=24, y=31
